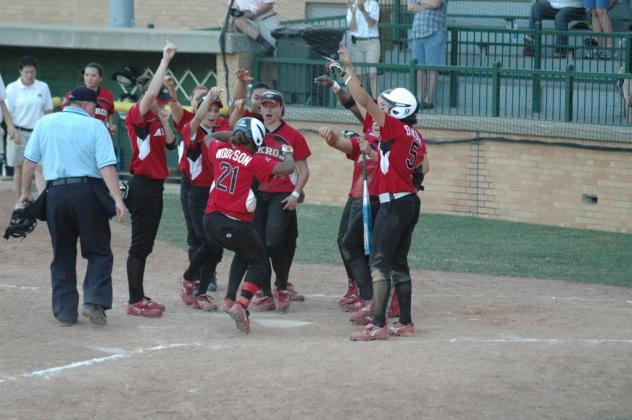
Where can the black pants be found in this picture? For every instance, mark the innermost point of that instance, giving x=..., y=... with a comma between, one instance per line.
x=197, y=200
x=351, y=207
x=144, y=202
x=278, y=229
x=238, y=236
x=74, y=212
x=353, y=246
x=193, y=242
x=392, y=236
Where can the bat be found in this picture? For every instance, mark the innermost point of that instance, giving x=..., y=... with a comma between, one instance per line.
x=366, y=202
x=366, y=208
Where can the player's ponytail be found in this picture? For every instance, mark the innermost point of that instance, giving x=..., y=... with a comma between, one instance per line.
x=238, y=138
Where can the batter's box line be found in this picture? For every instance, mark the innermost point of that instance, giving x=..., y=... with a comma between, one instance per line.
x=50, y=372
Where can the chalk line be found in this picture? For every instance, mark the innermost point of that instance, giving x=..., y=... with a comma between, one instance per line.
x=13, y=286
x=118, y=354
x=528, y=340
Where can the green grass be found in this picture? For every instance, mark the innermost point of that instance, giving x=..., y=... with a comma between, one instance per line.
x=466, y=244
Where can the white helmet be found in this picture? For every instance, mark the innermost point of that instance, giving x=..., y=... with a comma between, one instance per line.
x=254, y=130
x=402, y=103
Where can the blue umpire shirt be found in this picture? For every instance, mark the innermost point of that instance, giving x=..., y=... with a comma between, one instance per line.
x=70, y=143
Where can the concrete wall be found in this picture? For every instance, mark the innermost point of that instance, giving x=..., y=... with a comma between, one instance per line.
x=571, y=183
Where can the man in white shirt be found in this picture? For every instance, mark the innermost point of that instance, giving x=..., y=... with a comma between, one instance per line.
x=560, y=11
x=256, y=19
x=28, y=100
x=362, y=19
x=4, y=114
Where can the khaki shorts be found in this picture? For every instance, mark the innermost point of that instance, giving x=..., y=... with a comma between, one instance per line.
x=266, y=26
x=365, y=51
x=15, y=152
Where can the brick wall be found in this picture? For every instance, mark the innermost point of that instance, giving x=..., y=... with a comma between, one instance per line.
x=560, y=185
x=188, y=14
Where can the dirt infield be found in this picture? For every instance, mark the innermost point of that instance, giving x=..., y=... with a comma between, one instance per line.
x=486, y=347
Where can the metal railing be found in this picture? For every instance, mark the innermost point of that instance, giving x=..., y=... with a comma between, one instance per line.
x=495, y=91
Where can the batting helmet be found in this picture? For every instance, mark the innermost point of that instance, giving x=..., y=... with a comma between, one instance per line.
x=402, y=103
x=254, y=130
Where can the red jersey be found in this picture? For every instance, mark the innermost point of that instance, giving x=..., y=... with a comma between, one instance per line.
x=272, y=147
x=401, y=149
x=105, y=105
x=183, y=163
x=357, y=181
x=234, y=169
x=198, y=167
x=147, y=139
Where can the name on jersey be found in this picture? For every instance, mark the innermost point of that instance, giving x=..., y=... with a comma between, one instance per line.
x=234, y=155
x=269, y=151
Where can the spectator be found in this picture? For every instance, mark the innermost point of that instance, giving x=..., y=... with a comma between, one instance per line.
x=362, y=19
x=4, y=113
x=28, y=99
x=79, y=165
x=256, y=19
x=562, y=12
x=429, y=35
x=601, y=23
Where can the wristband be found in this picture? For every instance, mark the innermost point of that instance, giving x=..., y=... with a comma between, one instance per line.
x=295, y=195
x=335, y=87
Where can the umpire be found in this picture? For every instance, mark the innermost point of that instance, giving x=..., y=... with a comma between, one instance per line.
x=78, y=163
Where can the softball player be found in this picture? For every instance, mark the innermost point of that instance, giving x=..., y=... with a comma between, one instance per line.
x=231, y=206
x=205, y=122
x=181, y=117
x=401, y=149
x=150, y=134
x=92, y=76
x=351, y=223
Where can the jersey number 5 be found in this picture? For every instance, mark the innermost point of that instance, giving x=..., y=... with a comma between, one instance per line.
x=224, y=184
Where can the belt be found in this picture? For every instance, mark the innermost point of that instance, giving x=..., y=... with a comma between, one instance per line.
x=386, y=197
x=266, y=17
x=356, y=38
x=71, y=180
x=28, y=130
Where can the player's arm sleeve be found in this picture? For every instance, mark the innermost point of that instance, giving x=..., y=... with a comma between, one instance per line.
x=263, y=167
x=301, y=149
x=355, y=149
x=33, y=150
x=103, y=149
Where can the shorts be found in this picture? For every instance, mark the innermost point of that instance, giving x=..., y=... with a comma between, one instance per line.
x=430, y=50
x=596, y=4
x=15, y=152
x=365, y=51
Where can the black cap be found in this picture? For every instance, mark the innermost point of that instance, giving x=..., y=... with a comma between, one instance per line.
x=271, y=96
x=83, y=93
x=163, y=95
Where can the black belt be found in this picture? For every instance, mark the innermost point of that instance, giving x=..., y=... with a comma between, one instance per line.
x=71, y=180
x=28, y=130
x=355, y=38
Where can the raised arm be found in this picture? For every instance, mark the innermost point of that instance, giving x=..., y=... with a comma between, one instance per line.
x=168, y=52
x=360, y=95
x=176, y=108
x=333, y=140
x=343, y=96
x=212, y=96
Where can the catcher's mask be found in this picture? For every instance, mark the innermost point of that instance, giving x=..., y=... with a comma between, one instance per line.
x=22, y=223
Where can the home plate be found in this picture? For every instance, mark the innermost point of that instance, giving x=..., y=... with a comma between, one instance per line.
x=280, y=323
